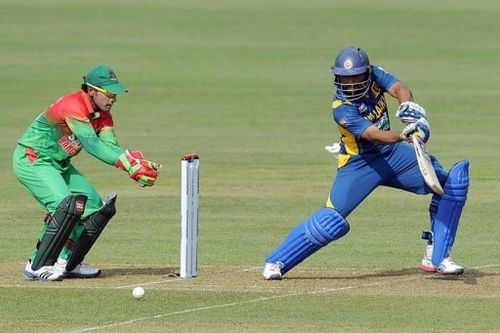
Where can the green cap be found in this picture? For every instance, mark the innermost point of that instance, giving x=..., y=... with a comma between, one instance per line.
x=104, y=77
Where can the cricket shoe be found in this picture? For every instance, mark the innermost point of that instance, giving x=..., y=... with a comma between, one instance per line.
x=46, y=273
x=272, y=271
x=81, y=271
x=446, y=267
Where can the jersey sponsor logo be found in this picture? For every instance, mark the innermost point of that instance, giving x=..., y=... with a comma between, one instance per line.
x=70, y=145
x=377, y=112
x=383, y=123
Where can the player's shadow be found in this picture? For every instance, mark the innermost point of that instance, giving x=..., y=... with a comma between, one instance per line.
x=155, y=271
x=377, y=274
x=470, y=276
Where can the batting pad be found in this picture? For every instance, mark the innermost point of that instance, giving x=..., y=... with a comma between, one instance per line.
x=94, y=225
x=449, y=211
x=323, y=227
x=59, y=226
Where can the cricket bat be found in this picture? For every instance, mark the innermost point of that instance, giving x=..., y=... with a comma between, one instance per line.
x=425, y=165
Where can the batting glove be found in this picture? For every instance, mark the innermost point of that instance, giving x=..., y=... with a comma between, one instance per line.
x=420, y=128
x=410, y=112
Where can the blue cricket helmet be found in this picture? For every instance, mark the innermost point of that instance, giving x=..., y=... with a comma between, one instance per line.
x=352, y=61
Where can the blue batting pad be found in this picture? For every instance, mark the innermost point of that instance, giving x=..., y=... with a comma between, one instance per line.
x=323, y=227
x=449, y=211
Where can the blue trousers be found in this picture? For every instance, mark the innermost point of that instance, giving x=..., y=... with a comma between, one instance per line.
x=397, y=168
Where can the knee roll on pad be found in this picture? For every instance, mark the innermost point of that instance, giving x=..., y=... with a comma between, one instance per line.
x=323, y=227
x=59, y=226
x=94, y=225
x=448, y=214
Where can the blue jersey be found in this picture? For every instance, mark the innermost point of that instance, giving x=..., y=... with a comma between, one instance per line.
x=354, y=117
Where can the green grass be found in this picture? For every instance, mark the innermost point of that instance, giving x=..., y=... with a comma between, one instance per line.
x=247, y=85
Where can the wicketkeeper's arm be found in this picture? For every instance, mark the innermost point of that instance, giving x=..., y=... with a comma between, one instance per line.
x=92, y=144
x=139, y=169
x=107, y=135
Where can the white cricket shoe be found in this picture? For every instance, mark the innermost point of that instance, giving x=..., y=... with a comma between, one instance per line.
x=81, y=271
x=272, y=271
x=46, y=273
x=446, y=267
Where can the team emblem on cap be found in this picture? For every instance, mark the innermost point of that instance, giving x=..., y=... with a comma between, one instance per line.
x=112, y=75
x=348, y=64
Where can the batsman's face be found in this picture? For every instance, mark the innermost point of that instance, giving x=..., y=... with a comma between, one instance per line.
x=103, y=100
x=353, y=84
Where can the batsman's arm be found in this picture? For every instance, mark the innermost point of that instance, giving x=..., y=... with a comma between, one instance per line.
x=401, y=92
x=375, y=135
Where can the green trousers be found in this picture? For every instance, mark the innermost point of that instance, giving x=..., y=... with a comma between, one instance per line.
x=49, y=182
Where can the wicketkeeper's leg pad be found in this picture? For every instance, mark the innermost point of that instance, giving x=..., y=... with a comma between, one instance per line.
x=323, y=227
x=94, y=225
x=59, y=226
x=447, y=217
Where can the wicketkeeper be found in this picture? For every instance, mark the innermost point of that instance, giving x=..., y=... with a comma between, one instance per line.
x=372, y=155
x=76, y=214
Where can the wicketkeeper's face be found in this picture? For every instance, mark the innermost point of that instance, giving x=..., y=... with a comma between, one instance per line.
x=102, y=99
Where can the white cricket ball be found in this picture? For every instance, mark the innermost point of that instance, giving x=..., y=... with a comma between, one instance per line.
x=138, y=292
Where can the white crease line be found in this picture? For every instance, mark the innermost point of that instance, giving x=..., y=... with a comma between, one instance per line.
x=485, y=266
x=255, y=300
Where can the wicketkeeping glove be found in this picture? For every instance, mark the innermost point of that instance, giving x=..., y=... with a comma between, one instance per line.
x=142, y=171
x=420, y=128
x=410, y=112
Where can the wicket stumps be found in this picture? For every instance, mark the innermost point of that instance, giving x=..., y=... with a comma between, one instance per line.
x=189, y=215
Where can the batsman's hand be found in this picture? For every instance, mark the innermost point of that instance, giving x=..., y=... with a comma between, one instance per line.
x=421, y=128
x=142, y=171
x=410, y=112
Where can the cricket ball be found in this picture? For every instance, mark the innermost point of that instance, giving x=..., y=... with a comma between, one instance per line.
x=138, y=292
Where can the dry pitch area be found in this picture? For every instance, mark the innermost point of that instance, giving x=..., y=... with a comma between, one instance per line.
x=162, y=285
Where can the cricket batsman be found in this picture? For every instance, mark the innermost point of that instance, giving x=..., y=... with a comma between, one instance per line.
x=372, y=155
x=76, y=214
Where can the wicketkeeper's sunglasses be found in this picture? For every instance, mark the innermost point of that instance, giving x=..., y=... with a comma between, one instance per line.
x=103, y=91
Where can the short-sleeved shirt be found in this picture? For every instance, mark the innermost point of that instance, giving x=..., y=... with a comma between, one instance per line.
x=69, y=125
x=354, y=117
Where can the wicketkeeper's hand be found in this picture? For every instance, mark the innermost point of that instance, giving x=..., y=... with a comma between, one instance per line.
x=142, y=171
x=410, y=112
x=420, y=128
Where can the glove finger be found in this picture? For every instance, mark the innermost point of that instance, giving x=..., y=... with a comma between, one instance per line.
x=146, y=181
x=150, y=165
